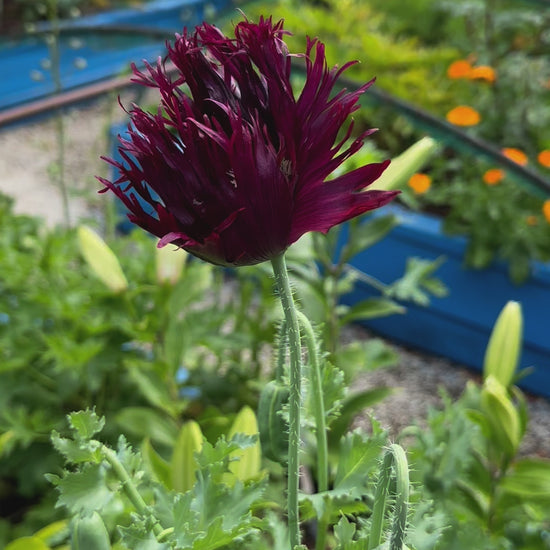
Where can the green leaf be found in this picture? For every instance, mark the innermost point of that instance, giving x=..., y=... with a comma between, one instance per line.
x=159, y=467
x=365, y=234
x=358, y=459
x=146, y=422
x=529, y=479
x=351, y=407
x=78, y=451
x=153, y=389
x=371, y=308
x=417, y=283
x=84, y=491
x=86, y=423
x=27, y=543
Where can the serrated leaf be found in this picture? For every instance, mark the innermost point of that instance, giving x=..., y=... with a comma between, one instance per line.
x=352, y=406
x=333, y=388
x=138, y=536
x=78, y=451
x=85, y=491
x=86, y=423
x=358, y=459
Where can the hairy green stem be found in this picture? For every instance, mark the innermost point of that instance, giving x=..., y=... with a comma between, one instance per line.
x=295, y=382
x=395, y=455
x=318, y=404
x=130, y=489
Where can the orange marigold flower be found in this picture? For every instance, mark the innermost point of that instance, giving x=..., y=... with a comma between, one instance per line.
x=483, y=72
x=420, y=183
x=459, y=69
x=546, y=210
x=463, y=116
x=544, y=158
x=516, y=155
x=493, y=176
x=531, y=220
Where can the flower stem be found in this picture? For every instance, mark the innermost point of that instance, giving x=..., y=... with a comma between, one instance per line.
x=318, y=404
x=130, y=489
x=394, y=455
x=295, y=382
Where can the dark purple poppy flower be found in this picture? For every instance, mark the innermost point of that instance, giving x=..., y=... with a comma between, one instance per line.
x=233, y=168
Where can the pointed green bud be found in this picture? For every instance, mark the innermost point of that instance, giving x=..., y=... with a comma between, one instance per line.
x=246, y=462
x=504, y=348
x=169, y=264
x=409, y=162
x=90, y=532
x=101, y=259
x=502, y=415
x=183, y=465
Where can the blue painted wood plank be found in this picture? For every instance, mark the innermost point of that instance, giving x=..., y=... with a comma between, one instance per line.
x=86, y=57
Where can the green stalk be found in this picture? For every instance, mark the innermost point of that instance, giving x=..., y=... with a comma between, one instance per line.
x=55, y=58
x=295, y=382
x=318, y=404
x=130, y=489
x=395, y=455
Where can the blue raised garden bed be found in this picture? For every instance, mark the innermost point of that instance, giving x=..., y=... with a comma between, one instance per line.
x=87, y=57
x=458, y=326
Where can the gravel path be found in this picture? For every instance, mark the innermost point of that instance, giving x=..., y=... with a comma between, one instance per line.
x=27, y=156
x=418, y=379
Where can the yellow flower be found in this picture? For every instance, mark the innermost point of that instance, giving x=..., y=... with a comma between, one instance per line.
x=420, y=183
x=459, y=69
x=532, y=220
x=483, y=72
x=546, y=210
x=493, y=176
x=463, y=116
x=544, y=158
x=518, y=156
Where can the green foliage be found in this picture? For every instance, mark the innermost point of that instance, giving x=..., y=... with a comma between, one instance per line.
x=467, y=461
x=211, y=514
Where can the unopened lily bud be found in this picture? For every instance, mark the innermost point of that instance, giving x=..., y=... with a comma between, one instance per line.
x=503, y=350
x=170, y=263
x=101, y=259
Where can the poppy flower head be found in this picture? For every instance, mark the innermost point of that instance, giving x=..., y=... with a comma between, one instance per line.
x=232, y=167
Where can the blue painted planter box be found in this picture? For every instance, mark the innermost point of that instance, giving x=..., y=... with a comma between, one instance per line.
x=458, y=326
x=88, y=57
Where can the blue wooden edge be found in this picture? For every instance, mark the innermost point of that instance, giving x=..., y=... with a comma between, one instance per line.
x=86, y=58
x=457, y=326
